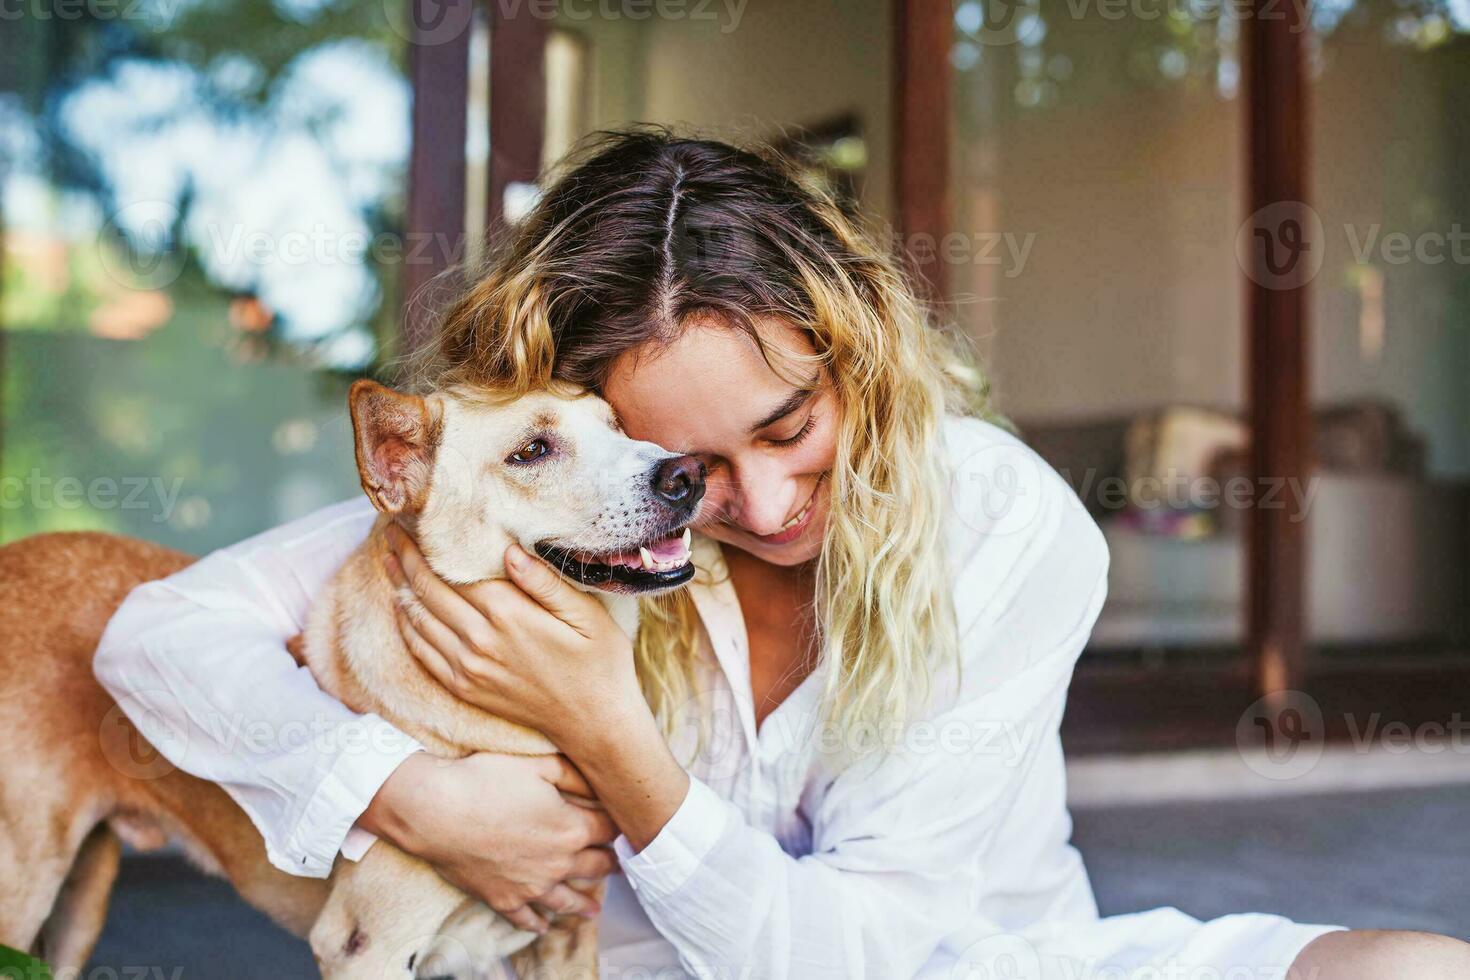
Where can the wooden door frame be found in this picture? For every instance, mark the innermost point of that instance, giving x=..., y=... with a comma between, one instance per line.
x=923, y=31
x=439, y=72
x=434, y=224
x=517, y=103
x=1274, y=100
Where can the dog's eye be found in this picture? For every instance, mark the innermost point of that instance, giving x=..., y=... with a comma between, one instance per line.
x=531, y=451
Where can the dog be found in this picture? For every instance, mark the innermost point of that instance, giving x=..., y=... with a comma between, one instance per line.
x=466, y=473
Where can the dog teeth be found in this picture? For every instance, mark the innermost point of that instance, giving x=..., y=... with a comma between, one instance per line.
x=688, y=537
x=647, y=557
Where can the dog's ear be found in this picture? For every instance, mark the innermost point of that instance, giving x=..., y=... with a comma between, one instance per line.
x=396, y=436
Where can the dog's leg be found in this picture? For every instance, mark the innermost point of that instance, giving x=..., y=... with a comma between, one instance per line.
x=75, y=922
x=38, y=846
x=386, y=919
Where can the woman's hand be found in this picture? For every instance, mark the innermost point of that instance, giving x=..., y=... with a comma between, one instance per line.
x=536, y=651
x=499, y=827
x=531, y=649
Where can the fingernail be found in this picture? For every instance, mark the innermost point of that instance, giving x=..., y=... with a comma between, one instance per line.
x=515, y=556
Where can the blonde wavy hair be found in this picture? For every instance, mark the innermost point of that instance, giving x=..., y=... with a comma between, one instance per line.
x=644, y=230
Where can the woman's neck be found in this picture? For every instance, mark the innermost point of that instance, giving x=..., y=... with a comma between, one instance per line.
x=774, y=594
x=780, y=625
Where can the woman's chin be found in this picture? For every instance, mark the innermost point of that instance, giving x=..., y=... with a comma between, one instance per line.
x=805, y=548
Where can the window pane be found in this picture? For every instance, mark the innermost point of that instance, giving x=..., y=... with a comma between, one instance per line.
x=201, y=207
x=1097, y=192
x=1390, y=524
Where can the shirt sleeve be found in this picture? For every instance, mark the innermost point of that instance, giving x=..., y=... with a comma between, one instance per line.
x=907, y=849
x=198, y=662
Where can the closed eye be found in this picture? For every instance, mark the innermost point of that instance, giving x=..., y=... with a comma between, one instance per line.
x=802, y=433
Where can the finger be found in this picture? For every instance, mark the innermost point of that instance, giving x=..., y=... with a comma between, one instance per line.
x=526, y=919
x=442, y=601
x=565, y=900
x=550, y=590
x=449, y=644
x=559, y=772
x=427, y=654
x=593, y=863
x=597, y=827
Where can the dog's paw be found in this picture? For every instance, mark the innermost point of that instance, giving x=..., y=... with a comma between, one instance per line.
x=472, y=945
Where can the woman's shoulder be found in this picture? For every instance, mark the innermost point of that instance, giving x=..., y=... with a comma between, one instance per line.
x=998, y=485
x=1014, y=524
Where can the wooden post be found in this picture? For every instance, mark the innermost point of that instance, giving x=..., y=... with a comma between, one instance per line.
x=434, y=224
x=1277, y=259
x=517, y=103
x=923, y=34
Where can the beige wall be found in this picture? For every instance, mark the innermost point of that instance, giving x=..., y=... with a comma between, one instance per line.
x=786, y=63
x=1131, y=296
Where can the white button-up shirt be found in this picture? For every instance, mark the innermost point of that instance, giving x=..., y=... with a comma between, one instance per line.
x=945, y=854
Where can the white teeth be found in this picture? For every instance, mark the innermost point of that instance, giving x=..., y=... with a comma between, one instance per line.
x=688, y=537
x=801, y=516
x=647, y=557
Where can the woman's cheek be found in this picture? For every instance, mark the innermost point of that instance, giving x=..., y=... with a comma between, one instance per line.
x=715, y=503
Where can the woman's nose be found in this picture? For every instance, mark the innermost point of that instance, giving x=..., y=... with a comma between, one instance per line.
x=760, y=501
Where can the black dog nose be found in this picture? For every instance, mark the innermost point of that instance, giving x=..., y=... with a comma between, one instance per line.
x=679, y=481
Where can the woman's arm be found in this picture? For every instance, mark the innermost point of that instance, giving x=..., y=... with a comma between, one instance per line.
x=198, y=661
x=906, y=851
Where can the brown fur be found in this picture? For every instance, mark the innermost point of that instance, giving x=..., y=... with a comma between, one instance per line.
x=79, y=776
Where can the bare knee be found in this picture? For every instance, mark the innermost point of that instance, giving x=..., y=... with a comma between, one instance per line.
x=1382, y=954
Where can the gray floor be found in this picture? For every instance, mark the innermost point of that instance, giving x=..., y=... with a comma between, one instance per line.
x=1395, y=860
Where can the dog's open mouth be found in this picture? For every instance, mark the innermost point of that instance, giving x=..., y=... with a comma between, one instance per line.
x=663, y=563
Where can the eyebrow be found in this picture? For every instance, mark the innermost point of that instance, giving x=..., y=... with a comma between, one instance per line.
x=791, y=404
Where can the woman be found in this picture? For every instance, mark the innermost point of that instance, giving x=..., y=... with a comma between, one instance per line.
x=836, y=753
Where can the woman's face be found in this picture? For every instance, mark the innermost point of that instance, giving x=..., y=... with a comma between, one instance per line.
x=769, y=443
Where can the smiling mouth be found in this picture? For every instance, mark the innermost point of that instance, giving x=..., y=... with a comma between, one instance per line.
x=795, y=525
x=663, y=563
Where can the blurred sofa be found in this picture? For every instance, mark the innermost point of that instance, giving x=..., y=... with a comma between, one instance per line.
x=1387, y=545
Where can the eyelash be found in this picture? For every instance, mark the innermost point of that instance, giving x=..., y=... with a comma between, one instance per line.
x=802, y=433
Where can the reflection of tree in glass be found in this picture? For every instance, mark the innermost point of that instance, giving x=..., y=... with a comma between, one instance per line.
x=178, y=204
x=274, y=143
x=1046, y=49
